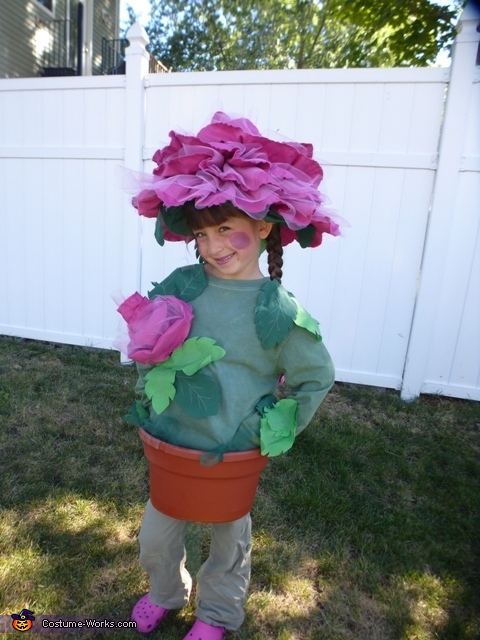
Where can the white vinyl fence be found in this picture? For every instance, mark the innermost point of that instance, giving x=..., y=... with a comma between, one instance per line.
x=398, y=297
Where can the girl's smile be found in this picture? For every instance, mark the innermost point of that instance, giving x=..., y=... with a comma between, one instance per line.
x=231, y=249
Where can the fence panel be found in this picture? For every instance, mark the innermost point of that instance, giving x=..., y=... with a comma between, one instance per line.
x=453, y=361
x=444, y=349
x=61, y=210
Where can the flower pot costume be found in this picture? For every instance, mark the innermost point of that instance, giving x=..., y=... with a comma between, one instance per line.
x=210, y=350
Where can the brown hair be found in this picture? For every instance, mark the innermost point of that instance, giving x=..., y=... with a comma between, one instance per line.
x=216, y=215
x=210, y=216
x=275, y=254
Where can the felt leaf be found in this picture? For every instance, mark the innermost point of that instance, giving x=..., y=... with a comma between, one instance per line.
x=274, y=314
x=306, y=321
x=141, y=411
x=273, y=216
x=282, y=416
x=165, y=288
x=194, y=354
x=305, y=236
x=133, y=416
x=190, y=282
x=198, y=395
x=265, y=402
x=159, y=387
x=176, y=220
x=159, y=231
x=278, y=428
x=271, y=444
x=186, y=283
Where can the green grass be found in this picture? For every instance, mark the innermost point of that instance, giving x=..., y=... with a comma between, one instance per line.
x=368, y=529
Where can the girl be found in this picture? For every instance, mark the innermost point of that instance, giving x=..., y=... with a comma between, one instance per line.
x=234, y=193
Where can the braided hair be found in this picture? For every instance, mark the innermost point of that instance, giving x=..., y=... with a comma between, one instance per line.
x=275, y=254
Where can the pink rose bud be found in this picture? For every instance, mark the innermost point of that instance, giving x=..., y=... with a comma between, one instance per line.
x=155, y=327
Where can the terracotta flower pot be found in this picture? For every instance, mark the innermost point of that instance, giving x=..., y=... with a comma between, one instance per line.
x=183, y=488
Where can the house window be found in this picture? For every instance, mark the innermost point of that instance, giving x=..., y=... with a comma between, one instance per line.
x=47, y=4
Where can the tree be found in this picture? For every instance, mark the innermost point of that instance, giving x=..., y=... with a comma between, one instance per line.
x=202, y=35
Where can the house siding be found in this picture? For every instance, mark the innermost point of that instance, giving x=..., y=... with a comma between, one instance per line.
x=17, y=33
x=105, y=20
x=21, y=33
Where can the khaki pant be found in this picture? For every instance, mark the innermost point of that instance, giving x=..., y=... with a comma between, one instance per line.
x=223, y=579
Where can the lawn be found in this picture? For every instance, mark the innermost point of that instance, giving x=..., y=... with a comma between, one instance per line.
x=368, y=529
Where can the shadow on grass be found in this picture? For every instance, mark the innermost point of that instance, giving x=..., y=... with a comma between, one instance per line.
x=366, y=530
x=384, y=498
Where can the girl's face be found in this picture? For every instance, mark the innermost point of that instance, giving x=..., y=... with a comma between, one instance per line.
x=231, y=249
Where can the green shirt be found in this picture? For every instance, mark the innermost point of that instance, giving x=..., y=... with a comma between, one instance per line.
x=225, y=311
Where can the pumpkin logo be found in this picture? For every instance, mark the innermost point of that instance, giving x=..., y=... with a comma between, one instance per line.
x=23, y=621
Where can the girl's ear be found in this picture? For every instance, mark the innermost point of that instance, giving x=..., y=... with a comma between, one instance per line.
x=264, y=228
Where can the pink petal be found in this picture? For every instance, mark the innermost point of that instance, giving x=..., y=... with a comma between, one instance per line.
x=147, y=203
x=129, y=307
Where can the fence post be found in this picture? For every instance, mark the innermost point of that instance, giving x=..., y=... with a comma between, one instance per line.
x=137, y=59
x=452, y=140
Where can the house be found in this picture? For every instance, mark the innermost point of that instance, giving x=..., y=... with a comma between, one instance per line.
x=58, y=37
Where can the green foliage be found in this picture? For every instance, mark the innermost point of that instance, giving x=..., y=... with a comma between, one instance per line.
x=278, y=427
x=186, y=283
x=306, y=321
x=176, y=221
x=194, y=354
x=198, y=395
x=177, y=377
x=159, y=387
x=137, y=414
x=159, y=231
x=203, y=35
x=274, y=314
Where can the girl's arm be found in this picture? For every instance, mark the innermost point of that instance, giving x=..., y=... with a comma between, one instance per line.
x=309, y=372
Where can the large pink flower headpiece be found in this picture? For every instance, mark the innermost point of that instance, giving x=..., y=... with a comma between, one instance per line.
x=229, y=161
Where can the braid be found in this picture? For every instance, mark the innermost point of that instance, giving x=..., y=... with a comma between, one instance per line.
x=275, y=253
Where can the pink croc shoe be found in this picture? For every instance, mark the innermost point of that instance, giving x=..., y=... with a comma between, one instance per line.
x=203, y=631
x=147, y=615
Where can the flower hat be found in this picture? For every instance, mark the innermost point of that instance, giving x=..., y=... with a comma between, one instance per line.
x=229, y=161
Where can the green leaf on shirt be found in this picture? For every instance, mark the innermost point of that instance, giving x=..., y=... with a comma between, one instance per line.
x=278, y=427
x=186, y=283
x=159, y=387
x=306, y=321
x=193, y=355
x=274, y=314
x=266, y=402
x=198, y=395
